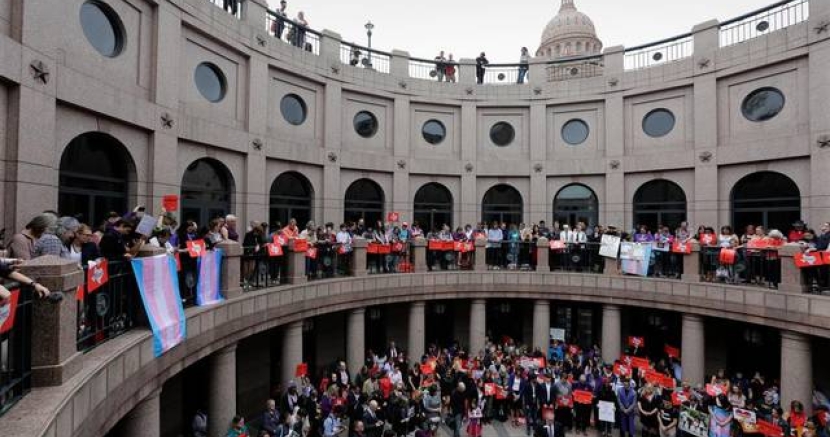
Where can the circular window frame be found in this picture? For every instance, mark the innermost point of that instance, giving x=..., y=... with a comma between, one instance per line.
x=115, y=22
x=512, y=134
x=654, y=111
x=568, y=123
x=374, y=119
x=443, y=128
x=758, y=91
x=303, y=107
x=223, y=81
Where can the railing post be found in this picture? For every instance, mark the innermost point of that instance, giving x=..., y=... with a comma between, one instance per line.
x=613, y=62
x=819, y=11
x=691, y=264
x=254, y=12
x=542, y=255
x=612, y=267
x=792, y=280
x=54, y=324
x=537, y=71
x=481, y=255
x=419, y=252
x=231, y=268
x=399, y=64
x=706, y=38
x=359, y=260
x=330, y=45
x=467, y=71
x=296, y=264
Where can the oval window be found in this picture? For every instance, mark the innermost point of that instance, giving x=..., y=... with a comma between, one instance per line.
x=102, y=28
x=210, y=81
x=365, y=124
x=293, y=109
x=434, y=132
x=658, y=123
x=763, y=104
x=502, y=134
x=575, y=132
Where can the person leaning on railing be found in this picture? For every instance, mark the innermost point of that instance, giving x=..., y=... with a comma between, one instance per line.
x=8, y=271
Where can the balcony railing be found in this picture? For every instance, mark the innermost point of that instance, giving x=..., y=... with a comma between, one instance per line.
x=363, y=57
x=110, y=310
x=450, y=255
x=233, y=7
x=574, y=68
x=757, y=267
x=16, y=351
x=659, y=53
x=291, y=32
x=504, y=74
x=774, y=17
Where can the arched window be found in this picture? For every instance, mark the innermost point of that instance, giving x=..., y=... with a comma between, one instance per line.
x=364, y=199
x=291, y=197
x=502, y=203
x=659, y=202
x=433, y=206
x=95, y=175
x=766, y=198
x=576, y=203
x=206, y=191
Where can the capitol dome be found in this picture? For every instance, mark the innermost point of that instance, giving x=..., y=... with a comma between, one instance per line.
x=569, y=33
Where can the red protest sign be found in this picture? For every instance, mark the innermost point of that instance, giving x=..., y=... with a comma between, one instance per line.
x=79, y=293
x=671, y=351
x=302, y=370
x=715, y=389
x=636, y=362
x=637, y=342
x=678, y=397
x=768, y=428
x=659, y=379
x=196, y=248
x=557, y=245
x=727, y=257
x=583, y=397
x=622, y=370
x=311, y=253
x=426, y=369
x=393, y=217
x=300, y=245
x=7, y=312
x=279, y=239
x=489, y=389
x=97, y=274
x=170, y=202
x=808, y=259
x=501, y=393
x=707, y=239
x=681, y=247
x=573, y=349
x=274, y=249
x=178, y=261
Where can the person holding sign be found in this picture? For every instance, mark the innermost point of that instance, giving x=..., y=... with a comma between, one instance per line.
x=606, y=408
x=582, y=404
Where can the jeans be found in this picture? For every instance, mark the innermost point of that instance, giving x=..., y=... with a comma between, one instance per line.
x=530, y=418
x=522, y=74
x=459, y=422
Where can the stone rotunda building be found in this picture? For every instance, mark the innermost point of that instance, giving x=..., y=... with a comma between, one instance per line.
x=570, y=33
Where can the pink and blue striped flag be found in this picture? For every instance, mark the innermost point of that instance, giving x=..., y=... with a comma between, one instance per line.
x=208, y=290
x=158, y=285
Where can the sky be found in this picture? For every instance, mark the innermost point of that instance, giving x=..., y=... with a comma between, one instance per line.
x=501, y=28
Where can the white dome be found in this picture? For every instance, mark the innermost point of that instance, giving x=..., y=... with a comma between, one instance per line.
x=570, y=25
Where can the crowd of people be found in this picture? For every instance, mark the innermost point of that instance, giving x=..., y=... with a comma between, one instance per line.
x=544, y=394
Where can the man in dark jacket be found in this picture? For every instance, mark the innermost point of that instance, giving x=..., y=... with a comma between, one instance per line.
x=114, y=242
x=271, y=417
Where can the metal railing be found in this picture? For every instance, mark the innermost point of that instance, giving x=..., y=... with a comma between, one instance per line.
x=389, y=258
x=511, y=255
x=363, y=57
x=759, y=267
x=16, y=351
x=576, y=257
x=428, y=70
x=659, y=52
x=441, y=255
x=760, y=22
x=576, y=68
x=260, y=270
x=504, y=74
x=291, y=32
x=110, y=310
x=329, y=261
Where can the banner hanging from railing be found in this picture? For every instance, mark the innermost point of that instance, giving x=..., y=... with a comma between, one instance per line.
x=208, y=290
x=7, y=312
x=158, y=285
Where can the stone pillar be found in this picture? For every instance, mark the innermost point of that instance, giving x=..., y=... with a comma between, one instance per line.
x=292, y=349
x=796, y=370
x=481, y=255
x=467, y=71
x=296, y=264
x=55, y=324
x=792, y=279
x=613, y=60
x=691, y=264
x=356, y=339
x=222, y=390
x=254, y=12
x=231, y=266
x=417, y=332
x=542, y=256
x=541, y=325
x=538, y=71
x=144, y=420
x=612, y=267
x=693, y=349
x=399, y=64
x=330, y=46
x=478, y=325
x=611, y=335
x=419, y=253
x=359, y=257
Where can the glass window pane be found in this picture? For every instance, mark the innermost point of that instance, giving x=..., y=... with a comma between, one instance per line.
x=434, y=132
x=365, y=124
x=502, y=134
x=658, y=123
x=575, y=132
x=763, y=104
x=210, y=81
x=102, y=28
x=293, y=109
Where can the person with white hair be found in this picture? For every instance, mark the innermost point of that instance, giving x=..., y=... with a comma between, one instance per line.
x=57, y=237
x=229, y=231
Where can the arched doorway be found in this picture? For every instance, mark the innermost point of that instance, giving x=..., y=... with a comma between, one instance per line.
x=291, y=197
x=206, y=191
x=95, y=174
x=659, y=202
x=576, y=203
x=502, y=203
x=765, y=198
x=433, y=206
x=364, y=199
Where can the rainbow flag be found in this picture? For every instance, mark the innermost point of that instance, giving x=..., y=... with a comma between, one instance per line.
x=208, y=289
x=158, y=285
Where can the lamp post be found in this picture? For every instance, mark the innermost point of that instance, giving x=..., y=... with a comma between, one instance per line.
x=369, y=26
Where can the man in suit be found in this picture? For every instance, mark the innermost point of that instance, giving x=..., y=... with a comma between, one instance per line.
x=547, y=393
x=549, y=428
x=341, y=375
x=529, y=392
x=393, y=354
x=373, y=424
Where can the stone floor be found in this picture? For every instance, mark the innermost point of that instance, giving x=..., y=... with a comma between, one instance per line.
x=498, y=429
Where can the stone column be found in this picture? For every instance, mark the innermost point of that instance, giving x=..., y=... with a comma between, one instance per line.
x=222, y=390
x=419, y=253
x=254, y=12
x=330, y=46
x=611, y=335
x=541, y=325
x=693, y=349
x=296, y=264
x=481, y=255
x=359, y=257
x=691, y=264
x=542, y=256
x=796, y=370
x=417, y=331
x=612, y=267
x=399, y=64
x=55, y=324
x=467, y=71
x=231, y=266
x=792, y=279
x=144, y=420
x=478, y=325
x=356, y=339
x=292, y=349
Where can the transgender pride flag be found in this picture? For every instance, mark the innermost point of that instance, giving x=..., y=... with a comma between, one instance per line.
x=208, y=289
x=158, y=285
